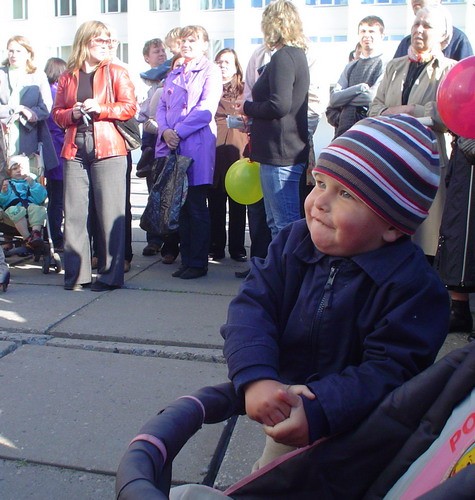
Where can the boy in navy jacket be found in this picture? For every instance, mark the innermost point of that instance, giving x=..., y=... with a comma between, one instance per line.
x=345, y=308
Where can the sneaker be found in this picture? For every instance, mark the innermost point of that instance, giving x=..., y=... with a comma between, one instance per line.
x=151, y=249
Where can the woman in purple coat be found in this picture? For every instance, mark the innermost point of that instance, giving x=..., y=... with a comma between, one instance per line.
x=185, y=118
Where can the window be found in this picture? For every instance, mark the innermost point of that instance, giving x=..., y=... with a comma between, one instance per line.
x=113, y=6
x=257, y=41
x=395, y=38
x=64, y=52
x=64, y=8
x=217, y=45
x=217, y=4
x=123, y=52
x=327, y=2
x=20, y=9
x=259, y=4
x=329, y=39
x=172, y=5
x=384, y=2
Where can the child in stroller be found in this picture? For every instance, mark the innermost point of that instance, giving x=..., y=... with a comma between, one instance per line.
x=21, y=198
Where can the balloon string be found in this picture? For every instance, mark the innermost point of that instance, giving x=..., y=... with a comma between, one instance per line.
x=250, y=148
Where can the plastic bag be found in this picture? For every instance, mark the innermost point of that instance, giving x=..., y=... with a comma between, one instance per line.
x=167, y=196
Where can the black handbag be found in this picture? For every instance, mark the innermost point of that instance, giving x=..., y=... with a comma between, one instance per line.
x=128, y=129
x=167, y=196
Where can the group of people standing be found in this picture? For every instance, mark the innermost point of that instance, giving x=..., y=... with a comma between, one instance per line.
x=187, y=109
x=408, y=84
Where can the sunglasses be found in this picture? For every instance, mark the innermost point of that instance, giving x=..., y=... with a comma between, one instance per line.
x=101, y=41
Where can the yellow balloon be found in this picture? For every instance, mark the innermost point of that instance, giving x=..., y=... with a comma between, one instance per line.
x=243, y=182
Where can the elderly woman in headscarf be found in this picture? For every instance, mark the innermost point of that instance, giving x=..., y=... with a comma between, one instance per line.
x=410, y=86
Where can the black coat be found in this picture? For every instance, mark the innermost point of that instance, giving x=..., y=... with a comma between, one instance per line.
x=455, y=259
x=279, y=130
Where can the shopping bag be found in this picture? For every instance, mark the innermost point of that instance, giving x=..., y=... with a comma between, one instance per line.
x=167, y=196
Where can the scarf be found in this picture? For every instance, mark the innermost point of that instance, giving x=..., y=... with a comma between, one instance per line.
x=423, y=57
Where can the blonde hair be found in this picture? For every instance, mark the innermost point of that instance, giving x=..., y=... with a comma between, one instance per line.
x=173, y=34
x=84, y=34
x=25, y=43
x=281, y=25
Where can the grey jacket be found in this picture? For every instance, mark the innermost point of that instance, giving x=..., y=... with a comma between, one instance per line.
x=36, y=96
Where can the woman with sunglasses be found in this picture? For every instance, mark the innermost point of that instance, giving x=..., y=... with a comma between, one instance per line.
x=91, y=95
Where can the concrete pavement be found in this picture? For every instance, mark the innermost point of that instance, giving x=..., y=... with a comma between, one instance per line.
x=80, y=372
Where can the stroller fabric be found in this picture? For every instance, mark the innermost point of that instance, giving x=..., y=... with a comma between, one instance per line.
x=364, y=463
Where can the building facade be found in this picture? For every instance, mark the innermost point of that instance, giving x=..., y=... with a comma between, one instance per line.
x=331, y=24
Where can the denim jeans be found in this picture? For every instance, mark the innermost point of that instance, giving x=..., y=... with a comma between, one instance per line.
x=280, y=186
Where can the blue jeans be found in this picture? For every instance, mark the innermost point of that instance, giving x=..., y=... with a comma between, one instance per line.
x=280, y=186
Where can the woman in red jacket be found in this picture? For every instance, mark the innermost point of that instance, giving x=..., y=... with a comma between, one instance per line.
x=92, y=93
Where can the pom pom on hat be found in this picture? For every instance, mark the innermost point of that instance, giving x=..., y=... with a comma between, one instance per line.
x=391, y=163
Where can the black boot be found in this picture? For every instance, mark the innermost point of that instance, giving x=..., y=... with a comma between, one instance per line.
x=460, y=317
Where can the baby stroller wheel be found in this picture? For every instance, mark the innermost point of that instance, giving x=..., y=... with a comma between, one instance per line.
x=58, y=265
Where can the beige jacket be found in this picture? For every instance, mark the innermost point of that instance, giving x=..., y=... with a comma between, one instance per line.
x=423, y=95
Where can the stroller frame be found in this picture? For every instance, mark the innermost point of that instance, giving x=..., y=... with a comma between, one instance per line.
x=11, y=236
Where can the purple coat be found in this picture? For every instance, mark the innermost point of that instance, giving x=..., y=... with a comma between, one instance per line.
x=188, y=105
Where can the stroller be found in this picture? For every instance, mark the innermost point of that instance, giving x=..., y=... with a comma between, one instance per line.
x=10, y=236
x=418, y=443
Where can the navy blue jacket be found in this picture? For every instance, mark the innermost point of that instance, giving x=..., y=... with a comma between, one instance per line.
x=458, y=48
x=352, y=329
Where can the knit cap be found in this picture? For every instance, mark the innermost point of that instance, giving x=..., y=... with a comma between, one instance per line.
x=391, y=163
x=22, y=160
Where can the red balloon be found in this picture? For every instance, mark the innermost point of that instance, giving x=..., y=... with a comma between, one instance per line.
x=456, y=98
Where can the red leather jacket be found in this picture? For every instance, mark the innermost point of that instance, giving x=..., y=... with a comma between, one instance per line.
x=108, y=141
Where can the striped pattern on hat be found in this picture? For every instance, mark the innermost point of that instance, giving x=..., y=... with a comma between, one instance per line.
x=391, y=163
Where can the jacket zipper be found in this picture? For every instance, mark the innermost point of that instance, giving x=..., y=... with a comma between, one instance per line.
x=467, y=228
x=326, y=301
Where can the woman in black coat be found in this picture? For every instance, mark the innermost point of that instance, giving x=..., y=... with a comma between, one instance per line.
x=279, y=129
x=455, y=259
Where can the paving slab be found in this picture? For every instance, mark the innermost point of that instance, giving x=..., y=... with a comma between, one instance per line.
x=36, y=308
x=149, y=316
x=244, y=448
x=6, y=347
x=25, y=481
x=79, y=409
x=220, y=279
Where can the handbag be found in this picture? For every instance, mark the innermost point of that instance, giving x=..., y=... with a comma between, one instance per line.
x=167, y=196
x=128, y=129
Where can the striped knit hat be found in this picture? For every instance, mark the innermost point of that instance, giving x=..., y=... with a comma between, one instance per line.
x=391, y=163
